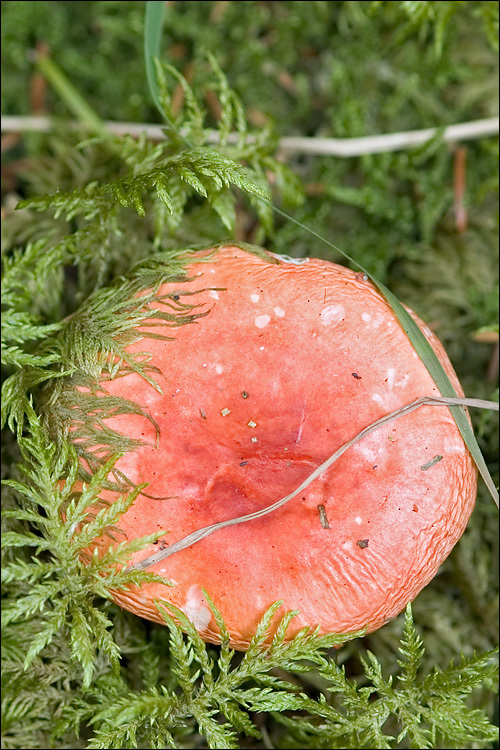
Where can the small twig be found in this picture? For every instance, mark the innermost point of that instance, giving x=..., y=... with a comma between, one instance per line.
x=492, y=372
x=459, y=189
x=344, y=147
x=218, y=10
x=178, y=95
x=197, y=536
x=9, y=141
x=375, y=144
x=38, y=83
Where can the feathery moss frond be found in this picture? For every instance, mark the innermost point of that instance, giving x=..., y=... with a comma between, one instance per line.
x=76, y=666
x=415, y=708
x=59, y=589
x=204, y=169
x=218, y=694
x=215, y=691
x=22, y=293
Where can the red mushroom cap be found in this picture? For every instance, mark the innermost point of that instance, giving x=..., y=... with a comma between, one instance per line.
x=293, y=359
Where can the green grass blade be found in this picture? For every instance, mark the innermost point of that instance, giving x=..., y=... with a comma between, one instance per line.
x=424, y=351
x=152, y=39
x=441, y=379
x=69, y=95
x=153, y=27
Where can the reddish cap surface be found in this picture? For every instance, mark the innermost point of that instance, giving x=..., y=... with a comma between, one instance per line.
x=293, y=359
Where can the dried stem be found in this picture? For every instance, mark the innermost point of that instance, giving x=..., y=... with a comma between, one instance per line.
x=196, y=536
x=343, y=147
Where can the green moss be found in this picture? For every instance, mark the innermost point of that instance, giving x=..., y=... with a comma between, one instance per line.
x=78, y=671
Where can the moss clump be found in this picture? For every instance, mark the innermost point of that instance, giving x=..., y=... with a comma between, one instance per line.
x=79, y=672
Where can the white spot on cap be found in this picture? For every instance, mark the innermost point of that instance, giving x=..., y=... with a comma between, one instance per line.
x=261, y=321
x=261, y=348
x=366, y=317
x=391, y=379
x=451, y=446
x=150, y=397
x=252, y=424
x=219, y=369
x=377, y=398
x=254, y=440
x=368, y=449
x=287, y=259
x=332, y=314
x=225, y=412
x=196, y=608
x=255, y=297
x=358, y=519
x=280, y=313
x=214, y=294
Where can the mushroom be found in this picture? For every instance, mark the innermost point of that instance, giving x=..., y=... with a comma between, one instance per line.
x=293, y=359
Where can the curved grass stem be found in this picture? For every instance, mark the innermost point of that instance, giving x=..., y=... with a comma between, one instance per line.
x=200, y=534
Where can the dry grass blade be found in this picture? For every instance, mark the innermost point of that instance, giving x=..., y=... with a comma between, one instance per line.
x=197, y=536
x=425, y=352
x=441, y=379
